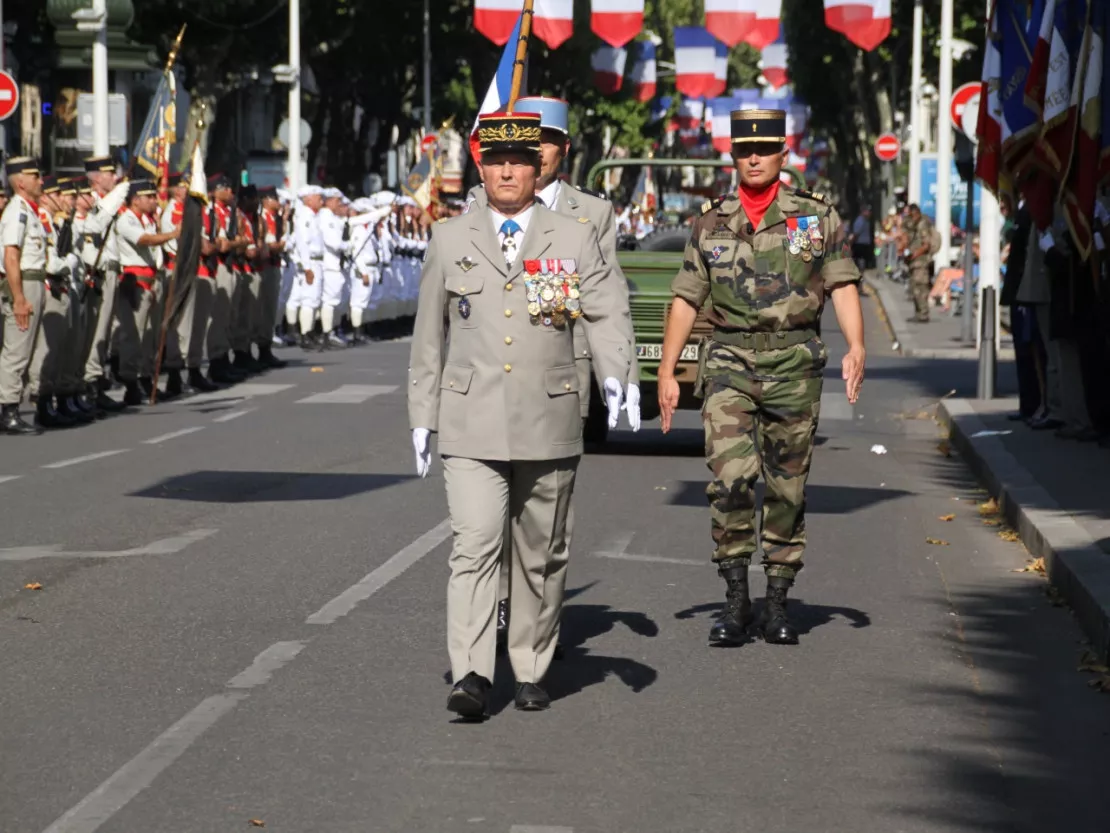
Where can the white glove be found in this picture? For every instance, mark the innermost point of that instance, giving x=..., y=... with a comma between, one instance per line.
x=1100, y=244
x=422, y=446
x=632, y=407
x=1101, y=214
x=614, y=394
x=1047, y=241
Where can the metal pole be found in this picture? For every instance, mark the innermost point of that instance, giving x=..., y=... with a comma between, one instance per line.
x=100, y=81
x=294, y=160
x=967, y=325
x=427, y=68
x=944, y=136
x=917, y=124
x=990, y=251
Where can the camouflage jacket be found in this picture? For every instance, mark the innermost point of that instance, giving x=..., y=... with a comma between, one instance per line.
x=773, y=280
x=920, y=234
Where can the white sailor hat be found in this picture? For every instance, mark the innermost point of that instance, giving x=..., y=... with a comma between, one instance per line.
x=310, y=191
x=362, y=205
x=284, y=195
x=382, y=199
x=407, y=201
x=332, y=193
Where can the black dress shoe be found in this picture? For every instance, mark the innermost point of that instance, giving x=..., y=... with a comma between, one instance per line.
x=68, y=408
x=106, y=403
x=266, y=356
x=47, y=416
x=134, y=395
x=469, y=697
x=1046, y=424
x=198, y=383
x=775, y=625
x=174, y=385
x=531, y=698
x=12, y=423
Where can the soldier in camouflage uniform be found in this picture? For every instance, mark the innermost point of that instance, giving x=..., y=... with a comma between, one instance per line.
x=920, y=233
x=765, y=260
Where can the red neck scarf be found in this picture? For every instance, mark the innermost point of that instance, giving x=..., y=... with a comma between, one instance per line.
x=756, y=202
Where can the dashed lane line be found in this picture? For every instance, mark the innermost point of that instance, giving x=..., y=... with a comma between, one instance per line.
x=74, y=461
x=234, y=415
x=173, y=435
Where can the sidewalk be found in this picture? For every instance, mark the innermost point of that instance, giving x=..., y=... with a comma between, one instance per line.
x=940, y=338
x=1055, y=493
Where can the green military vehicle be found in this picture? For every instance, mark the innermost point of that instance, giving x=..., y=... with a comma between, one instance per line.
x=650, y=263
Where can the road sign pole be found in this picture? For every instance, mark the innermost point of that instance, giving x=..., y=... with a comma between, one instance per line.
x=944, y=136
x=3, y=131
x=100, y=82
x=295, y=97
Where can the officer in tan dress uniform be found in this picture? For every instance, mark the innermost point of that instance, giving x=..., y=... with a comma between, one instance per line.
x=493, y=372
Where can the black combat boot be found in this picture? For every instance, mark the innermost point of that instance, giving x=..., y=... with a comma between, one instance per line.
x=174, y=385
x=198, y=383
x=774, y=624
x=68, y=408
x=133, y=395
x=732, y=628
x=103, y=401
x=12, y=423
x=502, y=627
x=266, y=356
x=46, y=416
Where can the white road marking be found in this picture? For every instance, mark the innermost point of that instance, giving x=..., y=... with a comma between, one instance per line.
x=173, y=435
x=6, y=477
x=265, y=664
x=654, y=559
x=61, y=464
x=163, y=546
x=532, y=828
x=247, y=390
x=139, y=773
x=347, y=395
x=234, y=415
x=836, y=406
x=376, y=579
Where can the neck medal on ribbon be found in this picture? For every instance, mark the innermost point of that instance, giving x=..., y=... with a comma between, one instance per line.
x=552, y=290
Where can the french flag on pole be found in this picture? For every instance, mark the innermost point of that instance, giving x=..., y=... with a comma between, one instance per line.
x=497, y=96
x=642, y=77
x=866, y=23
x=695, y=58
x=729, y=20
x=774, y=62
x=553, y=22
x=617, y=21
x=608, y=66
x=722, y=122
x=765, y=28
x=495, y=18
x=720, y=69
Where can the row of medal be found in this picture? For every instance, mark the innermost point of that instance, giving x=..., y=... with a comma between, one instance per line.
x=551, y=288
x=803, y=237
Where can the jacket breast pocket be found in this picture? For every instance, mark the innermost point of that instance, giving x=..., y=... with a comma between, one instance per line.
x=461, y=300
x=563, y=413
x=454, y=384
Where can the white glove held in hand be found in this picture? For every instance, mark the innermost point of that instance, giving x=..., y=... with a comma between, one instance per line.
x=1047, y=241
x=421, y=444
x=614, y=395
x=632, y=407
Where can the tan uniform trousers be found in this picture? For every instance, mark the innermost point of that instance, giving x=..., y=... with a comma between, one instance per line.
x=98, y=327
x=269, y=292
x=134, y=308
x=15, y=355
x=219, y=327
x=244, y=307
x=49, y=354
x=534, y=497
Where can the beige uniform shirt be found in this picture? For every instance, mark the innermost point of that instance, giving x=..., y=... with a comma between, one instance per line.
x=20, y=227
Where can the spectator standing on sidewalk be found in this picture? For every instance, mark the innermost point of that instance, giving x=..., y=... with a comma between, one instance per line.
x=919, y=231
x=863, y=244
x=1029, y=352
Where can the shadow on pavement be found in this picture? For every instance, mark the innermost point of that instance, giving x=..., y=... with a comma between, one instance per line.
x=820, y=499
x=1044, y=765
x=804, y=617
x=267, y=486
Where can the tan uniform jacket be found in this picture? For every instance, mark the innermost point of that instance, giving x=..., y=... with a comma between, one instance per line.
x=493, y=384
x=575, y=203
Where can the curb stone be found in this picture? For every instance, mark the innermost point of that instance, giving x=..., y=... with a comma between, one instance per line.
x=1073, y=561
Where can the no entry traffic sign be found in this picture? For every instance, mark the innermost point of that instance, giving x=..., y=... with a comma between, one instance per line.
x=9, y=95
x=887, y=147
x=965, y=102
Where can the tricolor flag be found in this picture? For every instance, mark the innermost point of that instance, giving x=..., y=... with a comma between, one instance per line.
x=689, y=121
x=553, y=22
x=768, y=22
x=866, y=23
x=774, y=60
x=1063, y=87
x=608, y=66
x=695, y=59
x=720, y=69
x=988, y=127
x=1016, y=34
x=1104, y=151
x=1042, y=50
x=496, y=18
x=797, y=120
x=616, y=21
x=729, y=20
x=722, y=122
x=642, y=76
x=1082, y=183
x=500, y=88
x=746, y=98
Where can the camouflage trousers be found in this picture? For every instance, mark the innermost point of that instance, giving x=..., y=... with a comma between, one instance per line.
x=919, y=285
x=768, y=428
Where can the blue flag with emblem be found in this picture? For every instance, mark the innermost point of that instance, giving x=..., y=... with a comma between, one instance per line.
x=152, y=151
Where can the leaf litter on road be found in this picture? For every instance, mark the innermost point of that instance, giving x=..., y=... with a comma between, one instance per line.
x=257, y=823
x=937, y=542
x=1034, y=566
x=947, y=518
x=34, y=585
x=1089, y=663
x=988, y=507
x=1007, y=534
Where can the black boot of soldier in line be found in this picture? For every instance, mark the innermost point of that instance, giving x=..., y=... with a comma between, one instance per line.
x=731, y=629
x=774, y=624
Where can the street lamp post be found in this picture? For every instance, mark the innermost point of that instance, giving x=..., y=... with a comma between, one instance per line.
x=100, y=80
x=944, y=135
x=294, y=159
x=917, y=125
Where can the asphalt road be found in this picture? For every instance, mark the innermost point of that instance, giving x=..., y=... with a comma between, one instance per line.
x=242, y=617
